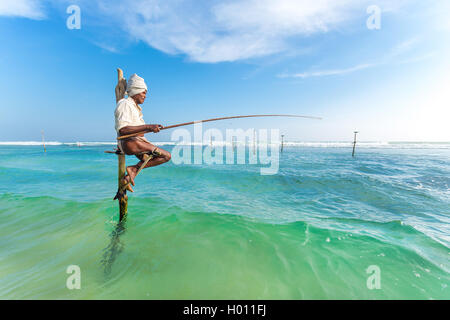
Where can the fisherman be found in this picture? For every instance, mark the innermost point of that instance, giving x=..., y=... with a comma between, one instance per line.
x=129, y=120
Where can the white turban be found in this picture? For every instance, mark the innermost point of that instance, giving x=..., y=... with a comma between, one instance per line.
x=135, y=85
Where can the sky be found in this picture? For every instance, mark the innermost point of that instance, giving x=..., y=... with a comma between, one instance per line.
x=379, y=67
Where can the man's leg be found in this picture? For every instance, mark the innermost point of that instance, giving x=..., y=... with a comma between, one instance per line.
x=137, y=147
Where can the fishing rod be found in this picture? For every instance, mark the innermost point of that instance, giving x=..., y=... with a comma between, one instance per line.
x=217, y=119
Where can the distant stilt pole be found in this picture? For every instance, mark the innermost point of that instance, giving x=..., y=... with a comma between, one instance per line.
x=354, y=144
x=282, y=142
x=43, y=140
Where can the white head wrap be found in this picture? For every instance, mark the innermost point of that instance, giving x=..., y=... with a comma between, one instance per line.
x=135, y=85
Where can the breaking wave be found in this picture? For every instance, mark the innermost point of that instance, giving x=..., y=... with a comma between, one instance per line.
x=298, y=144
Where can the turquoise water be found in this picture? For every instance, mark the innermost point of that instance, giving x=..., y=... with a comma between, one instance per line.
x=225, y=231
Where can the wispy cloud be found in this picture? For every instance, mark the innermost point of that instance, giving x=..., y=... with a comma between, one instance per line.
x=331, y=72
x=106, y=47
x=31, y=9
x=403, y=47
x=419, y=58
x=398, y=50
x=215, y=31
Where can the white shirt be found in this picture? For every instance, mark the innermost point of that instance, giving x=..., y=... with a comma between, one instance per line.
x=128, y=113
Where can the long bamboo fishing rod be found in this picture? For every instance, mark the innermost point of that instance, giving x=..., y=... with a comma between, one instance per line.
x=217, y=119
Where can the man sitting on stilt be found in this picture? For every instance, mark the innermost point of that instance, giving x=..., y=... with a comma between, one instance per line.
x=129, y=119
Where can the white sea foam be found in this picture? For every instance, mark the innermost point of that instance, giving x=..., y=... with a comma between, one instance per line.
x=29, y=143
x=364, y=144
x=297, y=144
x=89, y=144
x=53, y=143
x=324, y=144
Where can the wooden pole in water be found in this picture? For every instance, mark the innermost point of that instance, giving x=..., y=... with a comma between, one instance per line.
x=123, y=198
x=282, y=142
x=43, y=140
x=354, y=144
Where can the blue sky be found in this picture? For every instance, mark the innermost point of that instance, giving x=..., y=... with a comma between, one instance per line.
x=204, y=59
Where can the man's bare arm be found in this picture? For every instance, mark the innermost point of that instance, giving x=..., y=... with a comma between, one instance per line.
x=134, y=129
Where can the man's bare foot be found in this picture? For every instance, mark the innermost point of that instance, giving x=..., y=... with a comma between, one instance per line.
x=131, y=173
x=126, y=180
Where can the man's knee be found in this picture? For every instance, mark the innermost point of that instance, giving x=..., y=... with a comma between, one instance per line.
x=164, y=154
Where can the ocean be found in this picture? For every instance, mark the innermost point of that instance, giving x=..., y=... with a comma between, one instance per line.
x=325, y=226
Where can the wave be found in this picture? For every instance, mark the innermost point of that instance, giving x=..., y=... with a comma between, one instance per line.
x=321, y=144
x=379, y=235
x=370, y=144
x=29, y=143
x=298, y=144
x=54, y=143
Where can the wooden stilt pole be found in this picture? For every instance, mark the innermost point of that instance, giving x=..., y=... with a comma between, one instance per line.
x=123, y=200
x=354, y=144
x=43, y=140
x=282, y=142
x=121, y=196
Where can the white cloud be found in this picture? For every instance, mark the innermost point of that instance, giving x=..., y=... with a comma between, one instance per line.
x=22, y=8
x=106, y=47
x=331, y=72
x=216, y=31
x=397, y=51
x=404, y=47
x=415, y=59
